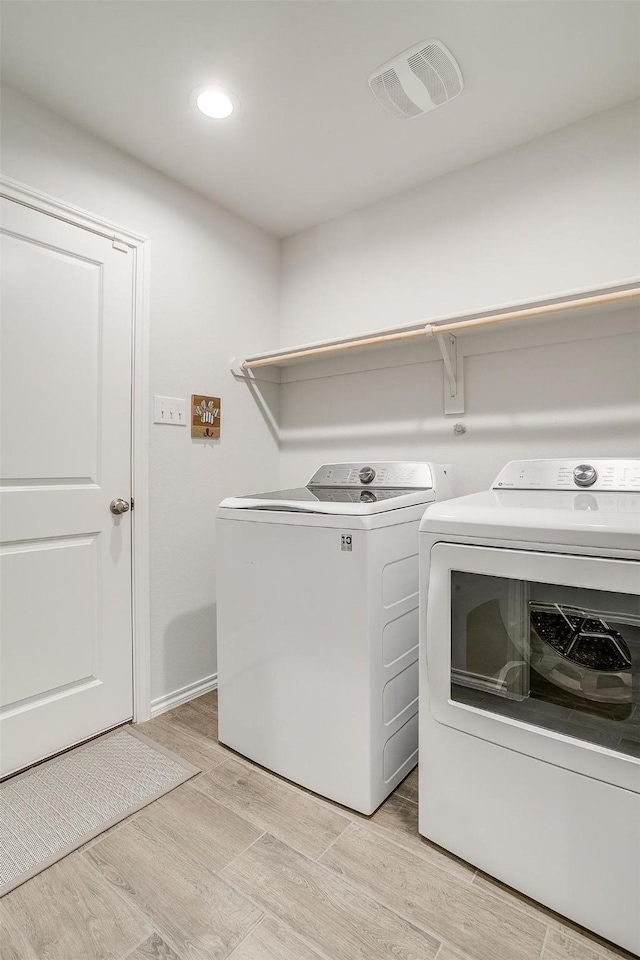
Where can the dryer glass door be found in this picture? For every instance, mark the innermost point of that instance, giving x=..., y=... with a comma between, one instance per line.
x=542, y=643
x=563, y=658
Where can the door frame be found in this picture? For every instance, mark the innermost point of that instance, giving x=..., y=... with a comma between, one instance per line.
x=139, y=246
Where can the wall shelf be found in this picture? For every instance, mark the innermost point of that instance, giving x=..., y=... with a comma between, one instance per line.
x=445, y=331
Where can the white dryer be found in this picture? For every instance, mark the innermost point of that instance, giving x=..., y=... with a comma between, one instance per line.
x=530, y=686
x=318, y=627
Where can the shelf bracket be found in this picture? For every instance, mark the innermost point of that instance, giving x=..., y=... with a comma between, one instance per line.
x=453, y=369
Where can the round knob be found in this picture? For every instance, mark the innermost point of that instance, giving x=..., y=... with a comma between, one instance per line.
x=118, y=506
x=585, y=475
x=368, y=496
x=367, y=474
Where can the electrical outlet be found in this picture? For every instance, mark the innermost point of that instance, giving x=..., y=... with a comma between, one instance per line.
x=170, y=410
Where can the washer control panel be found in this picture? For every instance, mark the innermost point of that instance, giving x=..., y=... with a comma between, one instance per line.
x=619, y=475
x=395, y=474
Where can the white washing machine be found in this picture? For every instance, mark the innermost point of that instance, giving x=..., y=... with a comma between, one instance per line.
x=318, y=627
x=530, y=686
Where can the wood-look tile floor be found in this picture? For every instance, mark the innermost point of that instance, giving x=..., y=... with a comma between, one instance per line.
x=239, y=863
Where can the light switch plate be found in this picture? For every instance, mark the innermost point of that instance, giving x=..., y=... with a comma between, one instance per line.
x=170, y=410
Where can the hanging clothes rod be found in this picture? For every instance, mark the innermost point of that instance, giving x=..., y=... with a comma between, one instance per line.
x=532, y=313
x=441, y=329
x=331, y=348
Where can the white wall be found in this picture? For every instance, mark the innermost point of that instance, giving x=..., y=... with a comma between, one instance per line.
x=214, y=295
x=559, y=213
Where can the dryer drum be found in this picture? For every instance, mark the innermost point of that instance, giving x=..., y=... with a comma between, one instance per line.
x=597, y=659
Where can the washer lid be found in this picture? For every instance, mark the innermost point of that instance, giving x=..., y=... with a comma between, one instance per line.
x=350, y=489
x=347, y=501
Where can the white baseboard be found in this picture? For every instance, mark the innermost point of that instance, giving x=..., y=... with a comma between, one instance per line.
x=183, y=695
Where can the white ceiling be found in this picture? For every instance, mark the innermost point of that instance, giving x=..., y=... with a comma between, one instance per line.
x=310, y=142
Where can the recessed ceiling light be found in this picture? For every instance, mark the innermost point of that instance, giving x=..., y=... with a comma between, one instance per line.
x=214, y=103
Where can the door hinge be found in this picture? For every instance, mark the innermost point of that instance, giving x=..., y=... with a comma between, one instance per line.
x=119, y=245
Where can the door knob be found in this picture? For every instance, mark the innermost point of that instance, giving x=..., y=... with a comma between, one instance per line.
x=118, y=506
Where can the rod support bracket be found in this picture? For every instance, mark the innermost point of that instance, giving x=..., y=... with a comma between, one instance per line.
x=453, y=369
x=238, y=370
x=241, y=372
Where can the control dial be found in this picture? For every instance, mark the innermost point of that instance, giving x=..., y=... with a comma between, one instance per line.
x=584, y=475
x=367, y=474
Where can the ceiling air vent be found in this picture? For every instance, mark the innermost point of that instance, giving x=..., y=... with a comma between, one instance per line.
x=417, y=80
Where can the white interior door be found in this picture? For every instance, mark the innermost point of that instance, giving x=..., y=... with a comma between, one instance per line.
x=65, y=453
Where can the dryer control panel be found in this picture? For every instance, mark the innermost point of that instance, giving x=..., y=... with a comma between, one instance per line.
x=618, y=475
x=395, y=474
